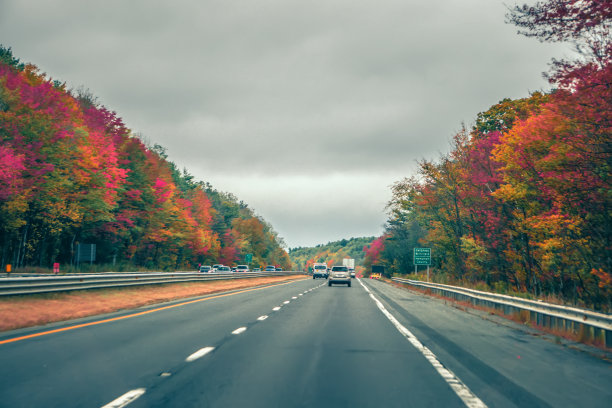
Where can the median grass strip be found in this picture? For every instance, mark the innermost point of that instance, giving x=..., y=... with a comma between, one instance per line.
x=28, y=311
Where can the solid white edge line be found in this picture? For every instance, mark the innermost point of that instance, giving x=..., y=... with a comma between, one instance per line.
x=462, y=391
x=262, y=318
x=239, y=330
x=200, y=353
x=125, y=399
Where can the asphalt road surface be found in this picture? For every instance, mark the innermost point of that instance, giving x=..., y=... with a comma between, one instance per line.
x=298, y=344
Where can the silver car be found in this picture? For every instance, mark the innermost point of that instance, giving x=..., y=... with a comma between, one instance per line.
x=339, y=274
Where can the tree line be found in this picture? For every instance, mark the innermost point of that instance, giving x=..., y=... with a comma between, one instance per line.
x=523, y=200
x=71, y=172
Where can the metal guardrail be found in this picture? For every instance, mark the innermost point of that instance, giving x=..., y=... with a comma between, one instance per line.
x=587, y=324
x=49, y=284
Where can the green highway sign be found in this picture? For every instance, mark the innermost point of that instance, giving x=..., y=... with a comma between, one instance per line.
x=248, y=258
x=422, y=256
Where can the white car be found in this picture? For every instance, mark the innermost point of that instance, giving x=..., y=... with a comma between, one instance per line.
x=224, y=269
x=339, y=274
x=319, y=270
x=242, y=268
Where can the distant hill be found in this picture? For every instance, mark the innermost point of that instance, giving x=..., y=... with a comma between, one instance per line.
x=331, y=253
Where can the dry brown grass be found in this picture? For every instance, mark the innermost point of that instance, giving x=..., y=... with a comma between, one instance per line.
x=24, y=311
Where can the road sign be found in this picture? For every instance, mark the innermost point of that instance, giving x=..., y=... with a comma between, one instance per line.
x=248, y=258
x=422, y=256
x=378, y=269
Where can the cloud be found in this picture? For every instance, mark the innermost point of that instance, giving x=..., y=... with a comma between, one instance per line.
x=245, y=94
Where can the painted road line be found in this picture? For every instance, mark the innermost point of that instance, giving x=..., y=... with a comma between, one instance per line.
x=262, y=318
x=126, y=399
x=198, y=354
x=294, y=297
x=239, y=330
x=277, y=308
x=286, y=302
x=462, y=391
x=78, y=326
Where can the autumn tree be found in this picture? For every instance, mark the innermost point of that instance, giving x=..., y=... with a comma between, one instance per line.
x=71, y=172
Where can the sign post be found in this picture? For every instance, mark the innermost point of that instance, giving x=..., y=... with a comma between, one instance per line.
x=422, y=256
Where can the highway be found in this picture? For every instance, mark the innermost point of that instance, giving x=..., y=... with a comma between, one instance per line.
x=297, y=344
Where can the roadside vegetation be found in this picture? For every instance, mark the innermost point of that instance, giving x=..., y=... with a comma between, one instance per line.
x=71, y=173
x=522, y=202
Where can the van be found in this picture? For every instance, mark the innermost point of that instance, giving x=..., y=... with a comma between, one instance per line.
x=319, y=270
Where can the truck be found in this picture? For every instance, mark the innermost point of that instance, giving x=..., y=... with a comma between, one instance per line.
x=349, y=263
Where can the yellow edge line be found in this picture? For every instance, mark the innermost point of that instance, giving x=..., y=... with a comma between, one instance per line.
x=78, y=326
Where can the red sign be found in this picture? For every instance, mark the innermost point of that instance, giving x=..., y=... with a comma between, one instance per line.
x=56, y=267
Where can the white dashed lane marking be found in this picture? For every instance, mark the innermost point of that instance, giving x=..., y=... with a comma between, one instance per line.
x=126, y=398
x=133, y=395
x=200, y=353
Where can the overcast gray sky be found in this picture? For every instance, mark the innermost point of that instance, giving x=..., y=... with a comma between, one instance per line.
x=306, y=110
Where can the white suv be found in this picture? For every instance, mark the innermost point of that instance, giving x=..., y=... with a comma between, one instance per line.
x=339, y=274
